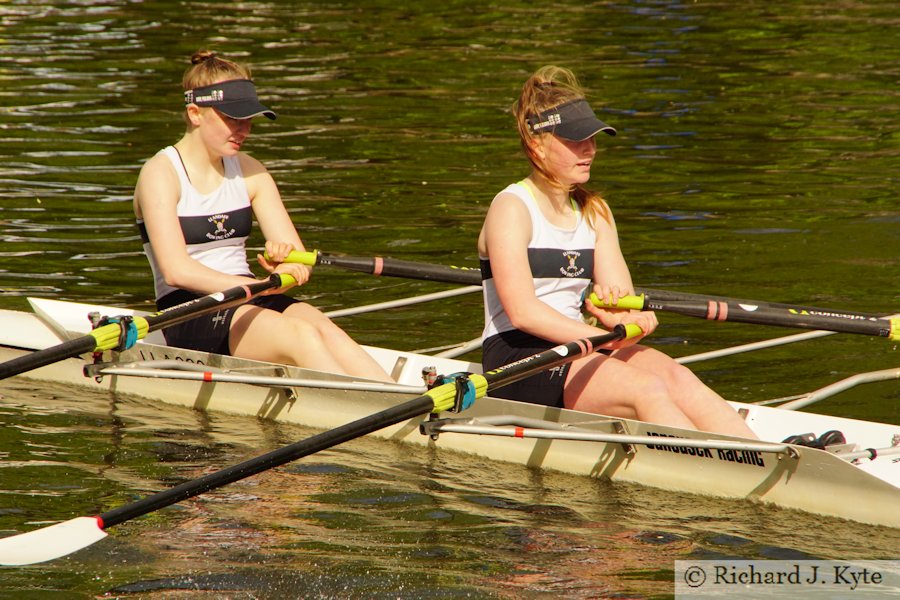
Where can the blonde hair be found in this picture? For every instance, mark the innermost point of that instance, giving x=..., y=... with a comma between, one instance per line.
x=551, y=86
x=207, y=67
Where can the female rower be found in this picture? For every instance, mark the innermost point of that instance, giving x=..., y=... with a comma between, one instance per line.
x=194, y=204
x=544, y=240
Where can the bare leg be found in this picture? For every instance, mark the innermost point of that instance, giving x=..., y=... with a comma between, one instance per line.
x=345, y=350
x=263, y=334
x=605, y=385
x=704, y=407
x=643, y=383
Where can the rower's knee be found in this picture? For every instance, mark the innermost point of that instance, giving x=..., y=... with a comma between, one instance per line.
x=651, y=394
x=306, y=312
x=681, y=377
x=301, y=330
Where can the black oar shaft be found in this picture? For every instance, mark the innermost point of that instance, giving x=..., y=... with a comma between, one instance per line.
x=555, y=356
x=390, y=267
x=212, y=302
x=673, y=296
x=391, y=416
x=42, y=358
x=763, y=315
x=316, y=443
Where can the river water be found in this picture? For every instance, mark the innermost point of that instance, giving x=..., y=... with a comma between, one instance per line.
x=757, y=157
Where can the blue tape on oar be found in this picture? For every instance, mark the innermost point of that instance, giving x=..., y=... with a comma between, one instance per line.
x=465, y=389
x=129, y=335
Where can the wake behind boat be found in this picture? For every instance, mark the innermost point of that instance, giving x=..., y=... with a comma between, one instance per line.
x=856, y=479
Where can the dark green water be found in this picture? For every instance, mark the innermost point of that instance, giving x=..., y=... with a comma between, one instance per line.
x=757, y=157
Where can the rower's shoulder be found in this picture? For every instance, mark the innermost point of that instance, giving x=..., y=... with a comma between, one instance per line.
x=250, y=165
x=158, y=164
x=510, y=197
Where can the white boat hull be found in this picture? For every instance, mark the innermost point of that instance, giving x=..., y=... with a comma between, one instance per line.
x=806, y=479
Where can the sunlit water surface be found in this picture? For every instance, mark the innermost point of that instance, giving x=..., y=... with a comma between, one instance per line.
x=756, y=157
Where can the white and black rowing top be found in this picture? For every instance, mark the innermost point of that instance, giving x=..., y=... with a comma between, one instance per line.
x=215, y=225
x=561, y=261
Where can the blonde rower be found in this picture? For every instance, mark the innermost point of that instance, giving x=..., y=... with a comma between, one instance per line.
x=195, y=202
x=545, y=241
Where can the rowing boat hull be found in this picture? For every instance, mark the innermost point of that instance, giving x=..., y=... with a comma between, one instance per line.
x=806, y=479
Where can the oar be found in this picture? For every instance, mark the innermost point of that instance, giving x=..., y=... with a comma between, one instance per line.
x=124, y=332
x=724, y=310
x=390, y=267
x=670, y=296
x=472, y=276
x=457, y=394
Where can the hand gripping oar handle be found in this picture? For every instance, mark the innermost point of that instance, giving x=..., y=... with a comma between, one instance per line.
x=107, y=337
x=69, y=536
x=723, y=310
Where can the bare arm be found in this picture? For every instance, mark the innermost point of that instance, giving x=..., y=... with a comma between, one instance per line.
x=277, y=227
x=610, y=270
x=612, y=279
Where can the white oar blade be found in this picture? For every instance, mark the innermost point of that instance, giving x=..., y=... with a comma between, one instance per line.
x=50, y=542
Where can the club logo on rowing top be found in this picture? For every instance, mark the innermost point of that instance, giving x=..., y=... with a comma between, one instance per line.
x=571, y=270
x=221, y=233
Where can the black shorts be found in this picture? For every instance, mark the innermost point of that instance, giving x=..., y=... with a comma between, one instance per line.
x=209, y=332
x=544, y=388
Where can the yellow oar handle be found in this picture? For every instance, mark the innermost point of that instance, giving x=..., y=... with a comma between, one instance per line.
x=625, y=302
x=296, y=256
x=632, y=330
x=286, y=279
